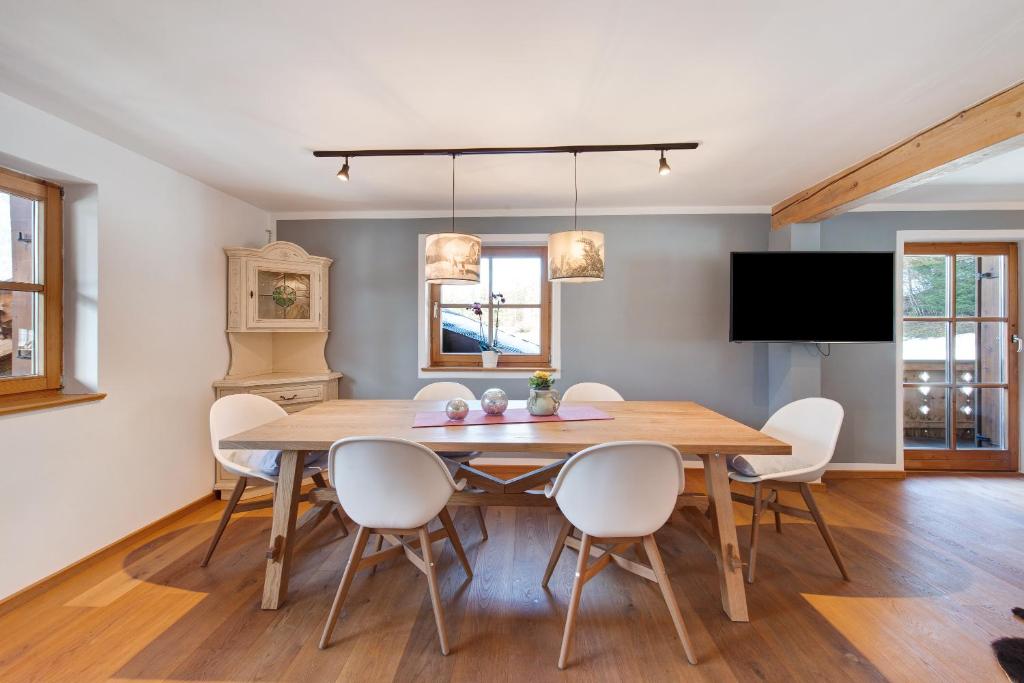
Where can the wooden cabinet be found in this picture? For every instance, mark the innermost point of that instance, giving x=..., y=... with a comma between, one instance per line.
x=277, y=288
x=277, y=328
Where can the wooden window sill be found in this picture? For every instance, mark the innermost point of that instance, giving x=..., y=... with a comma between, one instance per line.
x=41, y=400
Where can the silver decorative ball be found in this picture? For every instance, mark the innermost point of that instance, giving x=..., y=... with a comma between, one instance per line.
x=494, y=401
x=457, y=409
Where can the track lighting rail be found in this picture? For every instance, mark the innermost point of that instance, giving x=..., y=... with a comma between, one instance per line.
x=468, y=151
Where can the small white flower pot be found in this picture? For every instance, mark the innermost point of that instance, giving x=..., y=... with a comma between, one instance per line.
x=489, y=359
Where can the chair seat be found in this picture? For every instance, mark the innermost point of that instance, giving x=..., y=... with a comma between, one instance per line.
x=751, y=475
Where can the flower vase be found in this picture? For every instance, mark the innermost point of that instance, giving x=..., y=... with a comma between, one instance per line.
x=543, y=402
x=489, y=359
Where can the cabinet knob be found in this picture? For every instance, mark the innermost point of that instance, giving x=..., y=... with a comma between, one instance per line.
x=288, y=398
x=250, y=294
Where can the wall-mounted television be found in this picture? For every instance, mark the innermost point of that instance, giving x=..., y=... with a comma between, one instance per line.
x=812, y=296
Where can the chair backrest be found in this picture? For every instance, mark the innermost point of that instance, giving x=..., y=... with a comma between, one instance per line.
x=811, y=426
x=236, y=413
x=443, y=391
x=623, y=488
x=591, y=391
x=389, y=483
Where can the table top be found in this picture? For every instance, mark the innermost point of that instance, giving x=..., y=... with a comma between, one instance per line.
x=690, y=427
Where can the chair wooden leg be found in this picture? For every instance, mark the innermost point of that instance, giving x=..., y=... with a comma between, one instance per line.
x=641, y=553
x=755, y=527
x=435, y=593
x=380, y=544
x=778, y=522
x=318, y=479
x=453, y=536
x=236, y=495
x=556, y=552
x=574, y=600
x=358, y=545
x=651, y=546
x=480, y=520
x=805, y=491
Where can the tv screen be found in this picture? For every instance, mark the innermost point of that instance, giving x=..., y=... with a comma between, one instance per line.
x=812, y=296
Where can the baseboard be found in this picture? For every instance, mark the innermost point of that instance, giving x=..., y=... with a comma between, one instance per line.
x=863, y=474
x=34, y=589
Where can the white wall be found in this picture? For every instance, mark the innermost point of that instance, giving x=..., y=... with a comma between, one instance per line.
x=148, y=283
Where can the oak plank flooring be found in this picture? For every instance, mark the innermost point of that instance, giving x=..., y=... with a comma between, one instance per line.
x=935, y=561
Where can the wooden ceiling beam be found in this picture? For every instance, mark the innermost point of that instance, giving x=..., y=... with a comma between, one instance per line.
x=991, y=127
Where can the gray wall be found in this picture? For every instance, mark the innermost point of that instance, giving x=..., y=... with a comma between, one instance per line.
x=862, y=377
x=656, y=328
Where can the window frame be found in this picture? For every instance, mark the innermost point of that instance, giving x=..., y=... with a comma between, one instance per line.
x=455, y=361
x=51, y=287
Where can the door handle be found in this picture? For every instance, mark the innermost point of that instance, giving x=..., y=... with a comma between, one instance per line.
x=1016, y=339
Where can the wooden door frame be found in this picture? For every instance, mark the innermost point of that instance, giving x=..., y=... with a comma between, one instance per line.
x=938, y=459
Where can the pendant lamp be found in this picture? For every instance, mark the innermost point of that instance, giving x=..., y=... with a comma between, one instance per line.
x=576, y=255
x=452, y=258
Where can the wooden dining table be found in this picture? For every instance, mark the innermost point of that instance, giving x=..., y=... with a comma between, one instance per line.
x=693, y=429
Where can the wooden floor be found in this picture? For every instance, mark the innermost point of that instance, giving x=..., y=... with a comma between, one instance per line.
x=937, y=562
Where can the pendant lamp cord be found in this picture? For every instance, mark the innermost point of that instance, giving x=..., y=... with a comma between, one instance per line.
x=453, y=193
x=576, y=192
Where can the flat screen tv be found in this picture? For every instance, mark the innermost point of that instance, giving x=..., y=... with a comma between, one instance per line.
x=812, y=296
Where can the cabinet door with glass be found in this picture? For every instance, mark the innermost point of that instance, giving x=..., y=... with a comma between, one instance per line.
x=959, y=365
x=283, y=296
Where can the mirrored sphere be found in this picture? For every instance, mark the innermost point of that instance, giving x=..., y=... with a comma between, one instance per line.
x=457, y=409
x=494, y=401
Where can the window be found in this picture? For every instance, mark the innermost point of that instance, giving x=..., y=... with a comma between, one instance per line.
x=520, y=328
x=30, y=284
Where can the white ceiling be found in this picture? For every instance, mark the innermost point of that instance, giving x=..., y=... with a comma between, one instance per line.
x=237, y=93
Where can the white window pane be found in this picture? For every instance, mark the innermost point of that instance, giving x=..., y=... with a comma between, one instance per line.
x=19, y=239
x=468, y=294
x=462, y=331
x=924, y=417
x=924, y=286
x=518, y=279
x=519, y=331
x=20, y=334
x=925, y=351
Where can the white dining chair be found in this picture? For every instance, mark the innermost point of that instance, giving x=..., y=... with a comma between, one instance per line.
x=811, y=426
x=591, y=391
x=445, y=391
x=617, y=494
x=394, y=488
x=236, y=413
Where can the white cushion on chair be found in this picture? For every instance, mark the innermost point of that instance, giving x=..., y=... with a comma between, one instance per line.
x=811, y=426
x=269, y=462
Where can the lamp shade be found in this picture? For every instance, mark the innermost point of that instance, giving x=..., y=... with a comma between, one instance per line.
x=452, y=258
x=576, y=256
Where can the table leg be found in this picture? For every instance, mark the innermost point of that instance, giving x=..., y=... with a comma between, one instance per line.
x=282, y=529
x=730, y=566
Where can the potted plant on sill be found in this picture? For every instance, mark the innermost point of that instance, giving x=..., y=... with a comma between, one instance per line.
x=488, y=351
x=543, y=399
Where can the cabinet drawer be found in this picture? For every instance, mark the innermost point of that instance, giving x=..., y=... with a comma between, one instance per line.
x=288, y=394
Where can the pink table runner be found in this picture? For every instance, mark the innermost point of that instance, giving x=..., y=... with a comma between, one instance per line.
x=438, y=418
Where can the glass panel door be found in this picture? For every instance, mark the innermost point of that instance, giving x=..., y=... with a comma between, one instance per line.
x=960, y=356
